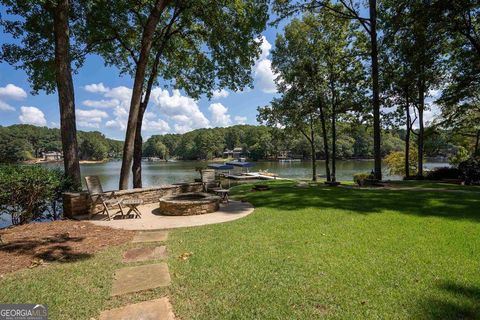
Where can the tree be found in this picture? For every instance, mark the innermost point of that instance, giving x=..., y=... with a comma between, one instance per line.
x=460, y=100
x=154, y=147
x=179, y=42
x=395, y=162
x=93, y=146
x=317, y=50
x=295, y=112
x=351, y=12
x=419, y=48
x=399, y=78
x=48, y=32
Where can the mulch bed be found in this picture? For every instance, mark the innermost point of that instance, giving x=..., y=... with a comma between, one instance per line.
x=36, y=244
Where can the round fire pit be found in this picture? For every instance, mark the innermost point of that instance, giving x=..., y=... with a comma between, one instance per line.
x=189, y=204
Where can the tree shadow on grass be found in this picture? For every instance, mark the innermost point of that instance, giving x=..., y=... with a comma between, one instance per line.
x=368, y=201
x=54, y=248
x=464, y=305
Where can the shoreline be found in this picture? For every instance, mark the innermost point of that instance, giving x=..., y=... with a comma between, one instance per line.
x=42, y=161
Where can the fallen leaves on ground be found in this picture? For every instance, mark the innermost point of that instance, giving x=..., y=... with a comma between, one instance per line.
x=185, y=255
x=36, y=244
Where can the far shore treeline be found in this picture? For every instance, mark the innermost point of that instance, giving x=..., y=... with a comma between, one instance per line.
x=26, y=142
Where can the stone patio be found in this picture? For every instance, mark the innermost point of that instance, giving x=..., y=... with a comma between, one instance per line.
x=134, y=279
x=152, y=219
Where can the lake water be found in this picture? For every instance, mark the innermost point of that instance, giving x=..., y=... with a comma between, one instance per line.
x=157, y=173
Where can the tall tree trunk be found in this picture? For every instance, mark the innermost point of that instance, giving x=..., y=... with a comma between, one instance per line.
x=477, y=141
x=314, y=151
x=325, y=143
x=138, y=143
x=66, y=97
x=334, y=129
x=137, y=150
x=407, y=138
x=421, y=107
x=334, y=144
x=147, y=39
x=377, y=153
x=314, y=161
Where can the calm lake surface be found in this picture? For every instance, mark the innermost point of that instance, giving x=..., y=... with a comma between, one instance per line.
x=157, y=173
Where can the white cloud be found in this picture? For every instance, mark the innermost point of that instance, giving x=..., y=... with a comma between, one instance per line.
x=171, y=110
x=181, y=109
x=90, y=118
x=5, y=106
x=159, y=126
x=263, y=72
x=220, y=117
x=434, y=94
x=32, y=115
x=217, y=94
x=432, y=111
x=240, y=119
x=265, y=47
x=265, y=76
x=100, y=103
x=121, y=93
x=96, y=88
x=11, y=91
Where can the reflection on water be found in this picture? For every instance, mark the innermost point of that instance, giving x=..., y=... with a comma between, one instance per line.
x=157, y=173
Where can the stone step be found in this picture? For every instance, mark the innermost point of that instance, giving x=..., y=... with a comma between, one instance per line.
x=150, y=236
x=158, y=309
x=143, y=254
x=139, y=278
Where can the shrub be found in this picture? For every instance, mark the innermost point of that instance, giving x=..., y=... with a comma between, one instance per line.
x=396, y=162
x=444, y=173
x=30, y=192
x=470, y=170
x=359, y=178
x=460, y=156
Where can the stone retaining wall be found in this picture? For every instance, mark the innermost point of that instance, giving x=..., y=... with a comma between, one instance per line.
x=78, y=203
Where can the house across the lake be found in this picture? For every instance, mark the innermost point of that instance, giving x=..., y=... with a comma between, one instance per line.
x=235, y=153
x=52, y=156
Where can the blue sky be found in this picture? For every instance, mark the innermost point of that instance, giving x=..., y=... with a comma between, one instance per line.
x=102, y=100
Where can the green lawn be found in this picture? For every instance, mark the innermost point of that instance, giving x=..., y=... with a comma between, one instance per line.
x=433, y=184
x=305, y=253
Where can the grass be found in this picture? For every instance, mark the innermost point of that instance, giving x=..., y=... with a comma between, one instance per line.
x=305, y=253
x=433, y=185
x=337, y=253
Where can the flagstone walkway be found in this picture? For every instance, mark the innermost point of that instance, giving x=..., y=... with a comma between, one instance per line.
x=132, y=279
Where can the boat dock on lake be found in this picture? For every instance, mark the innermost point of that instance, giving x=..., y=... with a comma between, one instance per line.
x=253, y=176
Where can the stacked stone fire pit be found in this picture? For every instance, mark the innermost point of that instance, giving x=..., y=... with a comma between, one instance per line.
x=188, y=204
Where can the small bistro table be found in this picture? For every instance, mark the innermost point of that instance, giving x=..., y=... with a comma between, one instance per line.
x=223, y=193
x=132, y=205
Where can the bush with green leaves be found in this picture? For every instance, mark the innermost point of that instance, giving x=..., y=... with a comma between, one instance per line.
x=360, y=178
x=460, y=156
x=470, y=170
x=28, y=192
x=396, y=162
